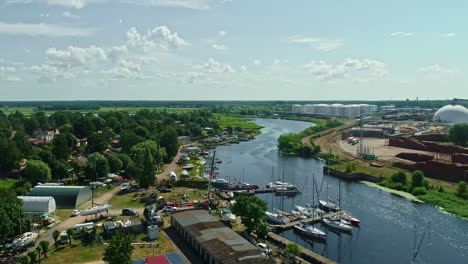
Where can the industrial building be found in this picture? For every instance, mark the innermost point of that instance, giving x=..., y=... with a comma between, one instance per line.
x=367, y=132
x=213, y=241
x=65, y=196
x=335, y=110
x=38, y=204
x=451, y=114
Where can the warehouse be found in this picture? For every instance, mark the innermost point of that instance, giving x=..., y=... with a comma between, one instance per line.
x=335, y=110
x=65, y=196
x=38, y=204
x=212, y=240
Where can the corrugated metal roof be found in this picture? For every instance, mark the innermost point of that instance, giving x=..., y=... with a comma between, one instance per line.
x=38, y=204
x=65, y=196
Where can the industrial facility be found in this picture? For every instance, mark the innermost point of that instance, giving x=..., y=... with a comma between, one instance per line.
x=335, y=110
x=38, y=204
x=212, y=240
x=451, y=114
x=65, y=196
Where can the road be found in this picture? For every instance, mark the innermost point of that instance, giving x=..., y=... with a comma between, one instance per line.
x=164, y=175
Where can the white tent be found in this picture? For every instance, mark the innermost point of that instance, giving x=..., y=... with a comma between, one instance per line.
x=38, y=204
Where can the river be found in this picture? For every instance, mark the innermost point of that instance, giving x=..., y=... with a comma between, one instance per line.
x=391, y=226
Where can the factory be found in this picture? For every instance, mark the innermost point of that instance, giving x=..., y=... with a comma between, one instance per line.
x=335, y=110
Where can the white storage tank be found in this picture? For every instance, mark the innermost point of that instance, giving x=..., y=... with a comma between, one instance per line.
x=309, y=109
x=38, y=204
x=153, y=232
x=297, y=109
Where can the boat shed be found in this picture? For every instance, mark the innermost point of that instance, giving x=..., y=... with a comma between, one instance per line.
x=65, y=196
x=38, y=204
x=213, y=241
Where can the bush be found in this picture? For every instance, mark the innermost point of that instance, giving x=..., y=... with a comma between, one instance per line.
x=399, y=176
x=419, y=191
x=200, y=184
x=441, y=189
x=461, y=189
x=417, y=179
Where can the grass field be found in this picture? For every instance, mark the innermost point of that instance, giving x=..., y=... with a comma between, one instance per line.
x=236, y=121
x=120, y=201
x=7, y=183
x=131, y=110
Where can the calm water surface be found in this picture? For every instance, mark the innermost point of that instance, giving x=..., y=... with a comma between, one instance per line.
x=391, y=226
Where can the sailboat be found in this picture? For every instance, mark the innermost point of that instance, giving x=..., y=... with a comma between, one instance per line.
x=310, y=230
x=25, y=240
x=277, y=218
x=298, y=214
x=336, y=222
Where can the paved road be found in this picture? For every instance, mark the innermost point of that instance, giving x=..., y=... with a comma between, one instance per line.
x=173, y=165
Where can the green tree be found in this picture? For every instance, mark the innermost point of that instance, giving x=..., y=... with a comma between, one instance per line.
x=143, y=154
x=97, y=166
x=251, y=210
x=56, y=235
x=38, y=250
x=417, y=179
x=292, y=250
x=9, y=154
x=25, y=260
x=22, y=187
x=128, y=139
x=115, y=164
x=62, y=144
x=262, y=230
x=59, y=169
x=44, y=245
x=399, y=176
x=119, y=251
x=70, y=233
x=126, y=160
x=458, y=134
x=11, y=214
x=97, y=142
x=37, y=171
x=168, y=141
x=32, y=256
x=461, y=189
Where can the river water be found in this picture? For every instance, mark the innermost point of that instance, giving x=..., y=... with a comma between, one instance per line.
x=391, y=226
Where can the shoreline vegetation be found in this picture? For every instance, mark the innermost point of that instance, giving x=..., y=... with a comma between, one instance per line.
x=292, y=144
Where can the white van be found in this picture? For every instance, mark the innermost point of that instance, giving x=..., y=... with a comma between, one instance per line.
x=79, y=227
x=64, y=239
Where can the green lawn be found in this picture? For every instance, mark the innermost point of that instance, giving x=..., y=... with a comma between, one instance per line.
x=236, y=121
x=127, y=200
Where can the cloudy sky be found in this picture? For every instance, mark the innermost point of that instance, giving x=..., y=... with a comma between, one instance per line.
x=233, y=49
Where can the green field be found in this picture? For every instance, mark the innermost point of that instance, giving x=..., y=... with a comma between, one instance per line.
x=236, y=121
x=131, y=110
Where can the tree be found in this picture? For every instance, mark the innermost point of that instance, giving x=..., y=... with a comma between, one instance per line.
x=25, y=260
x=169, y=141
x=9, y=153
x=461, y=189
x=458, y=134
x=399, y=176
x=11, y=214
x=59, y=169
x=128, y=139
x=44, y=245
x=251, y=210
x=22, y=187
x=97, y=142
x=119, y=251
x=97, y=166
x=39, y=250
x=143, y=154
x=61, y=146
x=115, y=164
x=126, y=160
x=56, y=235
x=292, y=250
x=262, y=230
x=417, y=179
x=32, y=256
x=37, y=171
x=70, y=233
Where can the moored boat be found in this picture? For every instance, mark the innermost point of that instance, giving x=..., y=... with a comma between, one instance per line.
x=298, y=214
x=337, y=224
x=277, y=218
x=228, y=215
x=351, y=219
x=25, y=240
x=310, y=231
x=328, y=206
x=96, y=210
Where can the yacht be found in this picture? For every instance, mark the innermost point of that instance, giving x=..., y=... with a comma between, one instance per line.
x=351, y=219
x=308, y=211
x=277, y=218
x=309, y=230
x=337, y=223
x=96, y=210
x=228, y=215
x=328, y=205
x=277, y=184
x=25, y=240
x=289, y=190
x=298, y=214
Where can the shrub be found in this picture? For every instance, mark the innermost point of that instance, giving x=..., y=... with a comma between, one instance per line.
x=461, y=189
x=399, y=176
x=419, y=191
x=441, y=189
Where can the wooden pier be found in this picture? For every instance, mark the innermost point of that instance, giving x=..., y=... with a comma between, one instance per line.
x=308, y=220
x=307, y=254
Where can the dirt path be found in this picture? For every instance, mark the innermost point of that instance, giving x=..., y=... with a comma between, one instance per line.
x=173, y=165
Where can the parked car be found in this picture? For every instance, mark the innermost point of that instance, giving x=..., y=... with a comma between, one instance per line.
x=75, y=213
x=264, y=248
x=128, y=211
x=169, y=209
x=165, y=190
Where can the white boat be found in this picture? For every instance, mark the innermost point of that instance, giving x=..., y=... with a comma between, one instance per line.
x=309, y=230
x=337, y=223
x=351, y=219
x=25, y=240
x=308, y=211
x=277, y=184
x=230, y=194
x=228, y=215
x=328, y=206
x=96, y=210
x=289, y=190
x=277, y=218
x=298, y=214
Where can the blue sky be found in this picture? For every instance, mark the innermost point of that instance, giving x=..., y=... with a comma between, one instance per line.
x=233, y=49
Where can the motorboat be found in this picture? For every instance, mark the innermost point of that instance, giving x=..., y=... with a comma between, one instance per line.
x=337, y=223
x=289, y=190
x=25, y=240
x=96, y=210
x=277, y=218
x=298, y=214
x=230, y=194
x=228, y=215
x=277, y=184
x=351, y=219
x=309, y=230
x=328, y=206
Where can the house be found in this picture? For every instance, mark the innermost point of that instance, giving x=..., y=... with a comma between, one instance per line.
x=45, y=134
x=183, y=139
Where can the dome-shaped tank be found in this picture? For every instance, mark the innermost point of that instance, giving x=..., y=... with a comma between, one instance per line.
x=452, y=114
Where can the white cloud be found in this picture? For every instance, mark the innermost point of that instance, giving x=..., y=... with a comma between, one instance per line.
x=74, y=57
x=401, y=33
x=371, y=69
x=7, y=69
x=47, y=30
x=243, y=68
x=117, y=52
x=158, y=37
x=69, y=3
x=213, y=66
x=126, y=70
x=449, y=35
x=70, y=15
x=437, y=69
x=192, y=4
x=49, y=73
x=222, y=33
x=219, y=46
x=317, y=43
x=257, y=62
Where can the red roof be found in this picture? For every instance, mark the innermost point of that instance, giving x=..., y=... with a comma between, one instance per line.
x=157, y=260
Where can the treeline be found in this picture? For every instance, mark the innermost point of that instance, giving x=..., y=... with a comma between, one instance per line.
x=458, y=134
x=79, y=107
x=291, y=143
x=111, y=141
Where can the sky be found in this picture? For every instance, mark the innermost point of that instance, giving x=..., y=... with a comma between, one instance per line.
x=233, y=49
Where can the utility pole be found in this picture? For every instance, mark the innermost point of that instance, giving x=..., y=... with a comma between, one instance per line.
x=211, y=175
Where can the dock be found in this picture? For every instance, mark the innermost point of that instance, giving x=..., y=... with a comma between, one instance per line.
x=307, y=254
x=308, y=220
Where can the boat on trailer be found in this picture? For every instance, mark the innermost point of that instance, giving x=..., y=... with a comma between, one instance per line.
x=96, y=210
